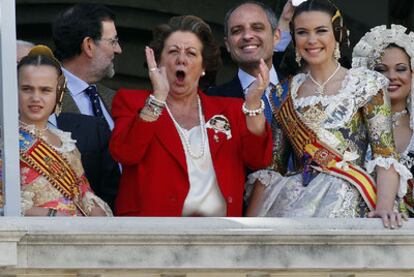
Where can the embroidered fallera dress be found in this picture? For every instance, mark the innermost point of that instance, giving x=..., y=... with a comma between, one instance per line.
x=358, y=115
x=37, y=191
x=407, y=159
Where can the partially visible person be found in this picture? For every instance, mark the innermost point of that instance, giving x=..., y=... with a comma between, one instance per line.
x=22, y=49
x=87, y=43
x=330, y=117
x=390, y=51
x=52, y=178
x=183, y=153
x=92, y=140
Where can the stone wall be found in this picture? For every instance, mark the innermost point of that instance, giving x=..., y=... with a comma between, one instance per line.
x=204, y=247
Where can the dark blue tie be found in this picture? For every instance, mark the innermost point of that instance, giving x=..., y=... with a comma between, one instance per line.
x=268, y=109
x=94, y=98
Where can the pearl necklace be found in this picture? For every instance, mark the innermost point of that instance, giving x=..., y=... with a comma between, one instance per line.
x=395, y=117
x=39, y=132
x=183, y=135
x=321, y=87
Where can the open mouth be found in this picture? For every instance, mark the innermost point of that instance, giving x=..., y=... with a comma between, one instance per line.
x=180, y=75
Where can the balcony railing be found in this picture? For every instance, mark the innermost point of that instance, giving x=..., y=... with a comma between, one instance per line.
x=204, y=247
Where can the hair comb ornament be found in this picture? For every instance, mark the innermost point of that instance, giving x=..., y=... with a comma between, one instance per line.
x=296, y=3
x=44, y=51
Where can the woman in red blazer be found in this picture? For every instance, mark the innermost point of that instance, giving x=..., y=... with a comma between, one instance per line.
x=184, y=153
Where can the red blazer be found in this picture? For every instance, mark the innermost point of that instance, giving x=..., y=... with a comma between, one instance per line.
x=154, y=178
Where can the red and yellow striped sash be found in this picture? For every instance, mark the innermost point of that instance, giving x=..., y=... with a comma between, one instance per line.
x=305, y=141
x=49, y=163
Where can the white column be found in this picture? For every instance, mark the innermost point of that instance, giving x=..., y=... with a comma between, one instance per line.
x=8, y=109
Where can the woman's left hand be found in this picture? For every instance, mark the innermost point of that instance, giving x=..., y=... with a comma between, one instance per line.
x=158, y=76
x=258, y=87
x=390, y=219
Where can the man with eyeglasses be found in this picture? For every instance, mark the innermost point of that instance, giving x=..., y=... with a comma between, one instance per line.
x=86, y=43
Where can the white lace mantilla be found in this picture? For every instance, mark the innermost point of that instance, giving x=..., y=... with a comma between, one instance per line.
x=404, y=173
x=357, y=88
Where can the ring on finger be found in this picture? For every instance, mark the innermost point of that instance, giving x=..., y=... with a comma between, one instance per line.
x=153, y=69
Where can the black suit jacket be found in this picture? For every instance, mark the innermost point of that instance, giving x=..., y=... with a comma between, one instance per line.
x=106, y=94
x=229, y=89
x=92, y=138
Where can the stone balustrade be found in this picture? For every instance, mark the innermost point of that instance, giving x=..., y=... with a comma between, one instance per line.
x=201, y=247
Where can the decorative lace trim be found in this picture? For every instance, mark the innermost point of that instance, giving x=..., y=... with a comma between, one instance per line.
x=90, y=200
x=358, y=87
x=404, y=173
x=266, y=177
x=68, y=144
x=369, y=50
x=358, y=82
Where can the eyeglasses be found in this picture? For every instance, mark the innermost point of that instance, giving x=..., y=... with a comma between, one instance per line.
x=113, y=41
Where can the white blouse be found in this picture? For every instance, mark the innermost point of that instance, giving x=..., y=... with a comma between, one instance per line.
x=204, y=197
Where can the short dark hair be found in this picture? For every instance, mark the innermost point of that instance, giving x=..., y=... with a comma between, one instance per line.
x=71, y=26
x=271, y=16
x=195, y=25
x=326, y=6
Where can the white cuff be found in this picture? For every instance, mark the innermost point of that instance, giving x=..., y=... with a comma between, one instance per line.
x=404, y=173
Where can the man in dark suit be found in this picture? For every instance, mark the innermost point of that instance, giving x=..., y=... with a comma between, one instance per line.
x=252, y=33
x=86, y=43
x=92, y=139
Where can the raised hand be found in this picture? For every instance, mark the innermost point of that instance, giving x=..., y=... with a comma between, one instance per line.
x=158, y=76
x=286, y=16
x=258, y=87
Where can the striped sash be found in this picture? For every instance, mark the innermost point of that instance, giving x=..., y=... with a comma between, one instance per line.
x=39, y=155
x=306, y=143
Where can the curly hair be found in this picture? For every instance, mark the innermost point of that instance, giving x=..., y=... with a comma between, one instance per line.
x=190, y=23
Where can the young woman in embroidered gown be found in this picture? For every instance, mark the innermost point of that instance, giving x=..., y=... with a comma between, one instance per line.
x=52, y=178
x=330, y=117
x=390, y=51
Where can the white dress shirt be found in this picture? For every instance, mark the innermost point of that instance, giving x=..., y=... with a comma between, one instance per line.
x=77, y=88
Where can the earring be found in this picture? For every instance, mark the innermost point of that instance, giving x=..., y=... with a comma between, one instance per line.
x=58, y=109
x=298, y=58
x=203, y=73
x=60, y=91
x=337, y=52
